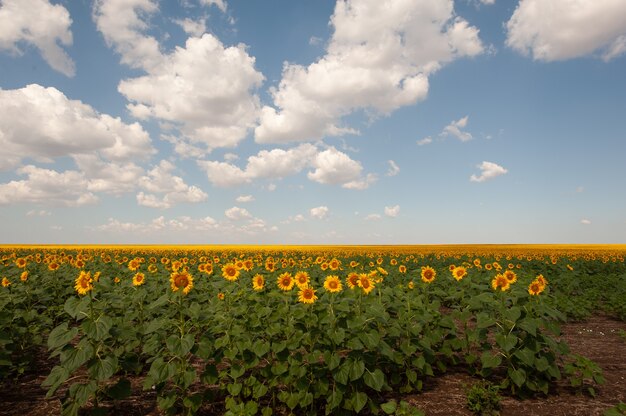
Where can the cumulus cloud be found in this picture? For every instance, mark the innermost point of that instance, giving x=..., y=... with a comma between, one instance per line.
x=393, y=168
x=173, y=188
x=43, y=123
x=454, y=129
x=425, y=141
x=41, y=24
x=392, y=211
x=45, y=186
x=203, y=89
x=192, y=27
x=564, y=29
x=373, y=217
x=378, y=59
x=245, y=198
x=109, y=177
x=330, y=166
x=159, y=224
x=488, y=170
x=319, y=212
x=585, y=221
x=236, y=213
x=38, y=213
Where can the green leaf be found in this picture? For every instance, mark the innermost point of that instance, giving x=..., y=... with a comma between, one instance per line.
x=103, y=369
x=332, y=359
x=77, y=356
x=356, y=370
x=98, y=329
x=526, y=356
x=528, y=325
x=154, y=326
x=542, y=364
x=162, y=301
x=375, y=379
x=389, y=407
x=484, y=321
x=517, y=376
x=120, y=390
x=56, y=377
x=234, y=388
x=342, y=374
x=61, y=336
x=333, y=400
x=513, y=314
x=261, y=348
x=77, y=307
x=237, y=371
x=489, y=360
x=370, y=339
x=359, y=400
x=506, y=342
x=180, y=346
x=83, y=392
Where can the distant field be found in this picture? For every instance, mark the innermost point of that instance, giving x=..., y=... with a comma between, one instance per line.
x=302, y=329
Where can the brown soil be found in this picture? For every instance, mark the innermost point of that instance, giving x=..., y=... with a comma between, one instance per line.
x=598, y=339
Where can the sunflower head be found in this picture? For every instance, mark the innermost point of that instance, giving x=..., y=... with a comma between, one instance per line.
x=535, y=288
x=302, y=279
x=352, y=280
x=230, y=272
x=459, y=273
x=285, y=281
x=258, y=282
x=332, y=284
x=139, y=279
x=365, y=283
x=510, y=276
x=6, y=282
x=500, y=282
x=428, y=274
x=24, y=276
x=307, y=295
x=181, y=281
x=83, y=283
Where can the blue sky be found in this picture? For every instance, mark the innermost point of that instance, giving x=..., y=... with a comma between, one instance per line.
x=312, y=122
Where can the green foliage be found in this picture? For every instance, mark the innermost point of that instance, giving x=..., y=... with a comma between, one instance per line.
x=617, y=410
x=583, y=374
x=483, y=398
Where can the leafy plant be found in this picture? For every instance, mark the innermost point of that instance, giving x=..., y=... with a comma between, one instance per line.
x=483, y=398
x=583, y=374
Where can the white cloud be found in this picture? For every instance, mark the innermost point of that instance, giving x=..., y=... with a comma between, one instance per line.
x=203, y=89
x=109, y=177
x=378, y=59
x=331, y=166
x=488, y=2
x=392, y=211
x=161, y=180
x=319, y=212
x=245, y=198
x=373, y=217
x=585, y=221
x=44, y=25
x=334, y=167
x=580, y=189
x=564, y=29
x=271, y=187
x=38, y=213
x=220, y=4
x=393, y=168
x=45, y=186
x=236, y=214
x=454, y=129
x=425, y=141
x=488, y=170
x=43, y=123
x=192, y=27
x=229, y=157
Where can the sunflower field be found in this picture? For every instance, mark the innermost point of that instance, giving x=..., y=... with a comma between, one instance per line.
x=302, y=330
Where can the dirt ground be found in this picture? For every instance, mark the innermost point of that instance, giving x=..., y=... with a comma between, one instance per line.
x=598, y=339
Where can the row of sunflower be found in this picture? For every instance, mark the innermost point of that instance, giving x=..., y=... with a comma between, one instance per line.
x=210, y=326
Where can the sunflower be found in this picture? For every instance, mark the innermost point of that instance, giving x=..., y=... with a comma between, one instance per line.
x=332, y=284
x=176, y=265
x=402, y=268
x=248, y=265
x=53, y=266
x=6, y=282
x=285, y=281
x=334, y=264
x=570, y=268
x=500, y=282
x=220, y=296
x=542, y=280
x=365, y=283
x=139, y=279
x=133, y=265
x=230, y=272
x=476, y=262
x=307, y=295
x=411, y=285
x=258, y=282
x=24, y=276
x=352, y=280
x=152, y=268
x=353, y=264
x=428, y=274
x=302, y=279
x=459, y=273
x=181, y=280
x=84, y=283
x=535, y=288
x=117, y=279
x=510, y=276
x=20, y=262
x=488, y=266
